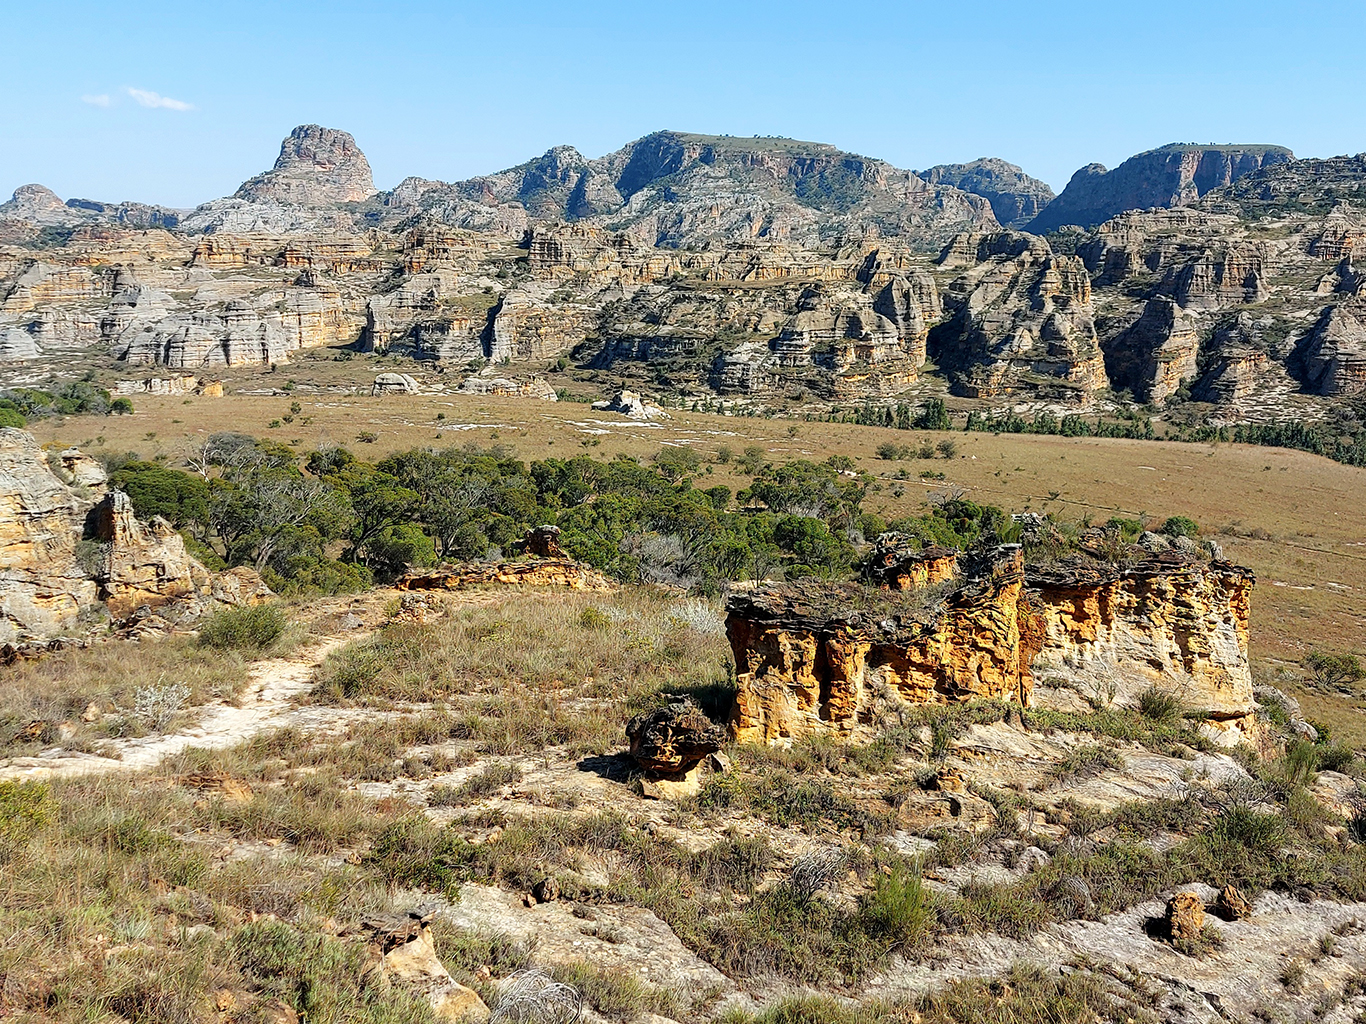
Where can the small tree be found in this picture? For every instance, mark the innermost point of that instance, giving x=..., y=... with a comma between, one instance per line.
x=1334, y=671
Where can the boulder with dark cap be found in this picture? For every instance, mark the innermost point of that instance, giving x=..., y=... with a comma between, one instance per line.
x=674, y=737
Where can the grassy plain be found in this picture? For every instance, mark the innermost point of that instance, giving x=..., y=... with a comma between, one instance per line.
x=1293, y=517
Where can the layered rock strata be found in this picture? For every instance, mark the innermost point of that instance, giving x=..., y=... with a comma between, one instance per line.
x=1175, y=624
x=838, y=659
x=541, y=572
x=813, y=657
x=1174, y=175
x=69, y=549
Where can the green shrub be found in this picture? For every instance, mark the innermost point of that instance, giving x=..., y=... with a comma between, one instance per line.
x=898, y=910
x=1334, y=671
x=253, y=628
x=1161, y=706
x=1180, y=526
x=414, y=852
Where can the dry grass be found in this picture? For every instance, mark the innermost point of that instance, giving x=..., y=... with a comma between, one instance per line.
x=1286, y=513
x=527, y=673
x=55, y=691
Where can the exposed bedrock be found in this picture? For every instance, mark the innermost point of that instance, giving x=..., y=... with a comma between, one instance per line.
x=817, y=657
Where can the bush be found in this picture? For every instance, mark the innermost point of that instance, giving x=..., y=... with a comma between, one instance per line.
x=1161, y=706
x=1180, y=526
x=244, y=629
x=1334, y=671
x=898, y=909
x=121, y=407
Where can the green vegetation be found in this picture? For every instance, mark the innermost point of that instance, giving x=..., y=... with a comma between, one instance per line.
x=251, y=629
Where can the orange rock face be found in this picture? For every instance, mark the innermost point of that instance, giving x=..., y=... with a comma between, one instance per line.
x=1180, y=626
x=543, y=572
x=817, y=657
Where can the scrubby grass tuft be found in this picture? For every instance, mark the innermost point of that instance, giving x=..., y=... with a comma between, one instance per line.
x=251, y=630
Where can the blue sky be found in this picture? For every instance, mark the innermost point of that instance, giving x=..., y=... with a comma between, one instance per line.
x=177, y=103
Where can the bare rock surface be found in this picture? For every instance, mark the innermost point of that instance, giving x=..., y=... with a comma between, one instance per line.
x=608, y=936
x=1174, y=175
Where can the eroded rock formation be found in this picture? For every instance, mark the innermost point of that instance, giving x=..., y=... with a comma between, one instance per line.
x=1178, y=624
x=68, y=550
x=816, y=656
x=541, y=572
x=1175, y=175
x=952, y=627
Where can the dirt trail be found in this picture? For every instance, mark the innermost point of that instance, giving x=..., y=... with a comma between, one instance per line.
x=267, y=702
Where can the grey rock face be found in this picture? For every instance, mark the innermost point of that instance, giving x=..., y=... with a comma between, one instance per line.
x=316, y=166
x=1021, y=313
x=1015, y=197
x=678, y=190
x=1174, y=175
x=17, y=343
x=1334, y=356
x=318, y=169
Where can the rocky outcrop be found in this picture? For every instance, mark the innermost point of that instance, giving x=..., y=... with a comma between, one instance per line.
x=823, y=658
x=17, y=344
x=69, y=550
x=238, y=335
x=632, y=406
x=403, y=953
x=1334, y=352
x=814, y=657
x=1022, y=320
x=542, y=572
x=677, y=190
x=1179, y=625
x=1154, y=356
x=674, y=737
x=317, y=171
x=1015, y=197
x=1174, y=175
x=1235, y=360
x=316, y=166
x=504, y=387
x=144, y=564
x=45, y=581
x=395, y=384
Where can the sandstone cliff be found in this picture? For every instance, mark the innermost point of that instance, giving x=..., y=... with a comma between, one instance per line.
x=1174, y=175
x=1015, y=197
x=838, y=658
x=816, y=656
x=1179, y=625
x=1022, y=320
x=70, y=552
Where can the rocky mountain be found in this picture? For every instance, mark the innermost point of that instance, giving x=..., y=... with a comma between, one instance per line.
x=754, y=272
x=1015, y=197
x=34, y=207
x=679, y=190
x=1173, y=175
x=318, y=170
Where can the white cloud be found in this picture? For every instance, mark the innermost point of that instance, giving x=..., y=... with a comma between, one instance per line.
x=102, y=100
x=151, y=99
